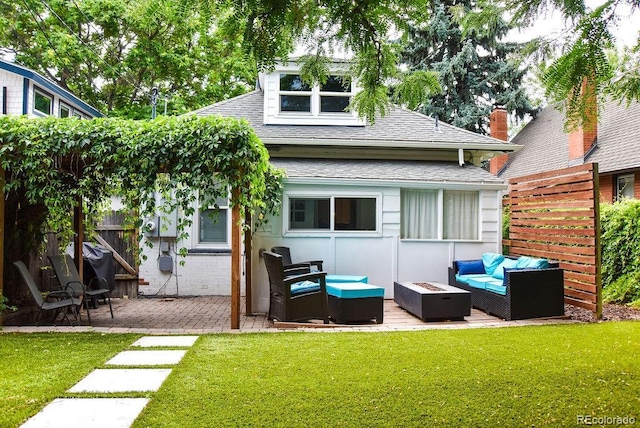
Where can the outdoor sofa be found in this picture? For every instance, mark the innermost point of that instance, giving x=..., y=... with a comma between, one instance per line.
x=511, y=288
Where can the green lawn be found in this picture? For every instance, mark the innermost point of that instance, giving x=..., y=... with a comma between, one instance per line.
x=524, y=376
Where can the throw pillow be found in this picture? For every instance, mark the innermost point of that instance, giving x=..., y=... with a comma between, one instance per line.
x=491, y=262
x=470, y=267
x=506, y=264
x=532, y=263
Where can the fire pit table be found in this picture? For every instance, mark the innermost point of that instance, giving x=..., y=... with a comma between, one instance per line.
x=432, y=301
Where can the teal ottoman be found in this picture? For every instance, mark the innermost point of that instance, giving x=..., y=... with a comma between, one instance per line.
x=346, y=278
x=355, y=302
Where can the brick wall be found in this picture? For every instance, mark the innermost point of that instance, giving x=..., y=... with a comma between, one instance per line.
x=607, y=187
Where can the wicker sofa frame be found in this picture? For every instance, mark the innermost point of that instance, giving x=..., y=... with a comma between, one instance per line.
x=531, y=293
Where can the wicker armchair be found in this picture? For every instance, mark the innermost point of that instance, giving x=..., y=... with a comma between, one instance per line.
x=295, y=298
x=295, y=268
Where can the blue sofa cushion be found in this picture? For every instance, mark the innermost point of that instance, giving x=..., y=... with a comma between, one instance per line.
x=498, y=273
x=354, y=290
x=303, y=287
x=495, y=288
x=491, y=261
x=532, y=263
x=470, y=267
x=465, y=278
x=482, y=281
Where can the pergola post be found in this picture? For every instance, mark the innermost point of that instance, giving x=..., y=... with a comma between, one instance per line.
x=2, y=237
x=247, y=262
x=78, y=227
x=236, y=226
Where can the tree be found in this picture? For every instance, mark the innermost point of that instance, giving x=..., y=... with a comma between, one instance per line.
x=582, y=53
x=112, y=52
x=476, y=70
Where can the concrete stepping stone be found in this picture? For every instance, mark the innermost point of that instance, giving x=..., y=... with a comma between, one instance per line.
x=88, y=412
x=122, y=380
x=150, y=341
x=147, y=358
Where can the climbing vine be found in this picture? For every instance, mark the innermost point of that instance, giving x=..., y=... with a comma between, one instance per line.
x=51, y=163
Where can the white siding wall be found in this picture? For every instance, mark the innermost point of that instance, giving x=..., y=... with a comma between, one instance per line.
x=14, y=84
x=384, y=258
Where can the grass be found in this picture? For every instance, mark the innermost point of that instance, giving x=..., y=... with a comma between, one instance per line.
x=36, y=368
x=525, y=376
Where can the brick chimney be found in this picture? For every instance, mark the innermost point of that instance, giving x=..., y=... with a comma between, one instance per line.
x=584, y=137
x=499, y=129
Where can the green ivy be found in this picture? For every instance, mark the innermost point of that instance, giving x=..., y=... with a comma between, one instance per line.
x=52, y=162
x=620, y=243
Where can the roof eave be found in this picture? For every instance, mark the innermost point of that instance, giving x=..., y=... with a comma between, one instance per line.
x=502, y=147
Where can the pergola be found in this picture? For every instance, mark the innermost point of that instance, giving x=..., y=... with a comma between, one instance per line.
x=202, y=152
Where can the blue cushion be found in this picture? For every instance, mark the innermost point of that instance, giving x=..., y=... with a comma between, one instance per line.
x=465, y=278
x=354, y=290
x=506, y=264
x=470, y=267
x=482, y=281
x=347, y=278
x=532, y=263
x=302, y=287
x=491, y=262
x=498, y=289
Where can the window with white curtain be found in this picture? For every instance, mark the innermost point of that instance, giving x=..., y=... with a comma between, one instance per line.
x=460, y=212
x=439, y=214
x=419, y=214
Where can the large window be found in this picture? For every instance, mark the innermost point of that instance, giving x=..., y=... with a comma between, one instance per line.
x=333, y=213
x=439, y=214
x=624, y=186
x=213, y=224
x=42, y=102
x=297, y=96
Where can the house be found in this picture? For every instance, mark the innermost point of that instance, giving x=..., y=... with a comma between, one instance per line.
x=395, y=200
x=25, y=92
x=613, y=143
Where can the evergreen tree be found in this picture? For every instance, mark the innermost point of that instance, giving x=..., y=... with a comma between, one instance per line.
x=477, y=71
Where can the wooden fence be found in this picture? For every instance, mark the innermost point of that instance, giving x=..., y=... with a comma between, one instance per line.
x=555, y=215
x=122, y=242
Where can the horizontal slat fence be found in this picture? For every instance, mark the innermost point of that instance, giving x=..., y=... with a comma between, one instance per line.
x=555, y=215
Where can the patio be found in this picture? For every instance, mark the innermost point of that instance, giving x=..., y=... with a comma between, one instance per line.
x=196, y=315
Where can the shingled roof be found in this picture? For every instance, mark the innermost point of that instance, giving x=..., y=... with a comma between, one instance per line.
x=399, y=128
x=546, y=145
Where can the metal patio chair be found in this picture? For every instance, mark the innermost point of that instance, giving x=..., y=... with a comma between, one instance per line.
x=69, y=279
x=60, y=300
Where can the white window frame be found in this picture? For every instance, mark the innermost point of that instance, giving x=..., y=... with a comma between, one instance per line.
x=440, y=220
x=37, y=90
x=315, y=95
x=630, y=180
x=196, y=244
x=286, y=212
x=73, y=112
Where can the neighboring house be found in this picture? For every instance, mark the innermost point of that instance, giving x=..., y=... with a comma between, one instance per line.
x=614, y=144
x=25, y=92
x=396, y=200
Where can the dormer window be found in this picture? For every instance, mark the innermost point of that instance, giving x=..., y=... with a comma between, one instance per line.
x=297, y=96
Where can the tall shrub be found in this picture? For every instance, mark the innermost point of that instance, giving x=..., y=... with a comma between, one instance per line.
x=620, y=241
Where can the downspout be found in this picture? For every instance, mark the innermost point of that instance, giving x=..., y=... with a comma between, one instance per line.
x=461, y=157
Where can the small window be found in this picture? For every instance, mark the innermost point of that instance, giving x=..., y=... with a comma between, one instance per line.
x=65, y=111
x=335, y=95
x=42, y=102
x=624, y=187
x=292, y=89
x=213, y=223
x=355, y=214
x=309, y=213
